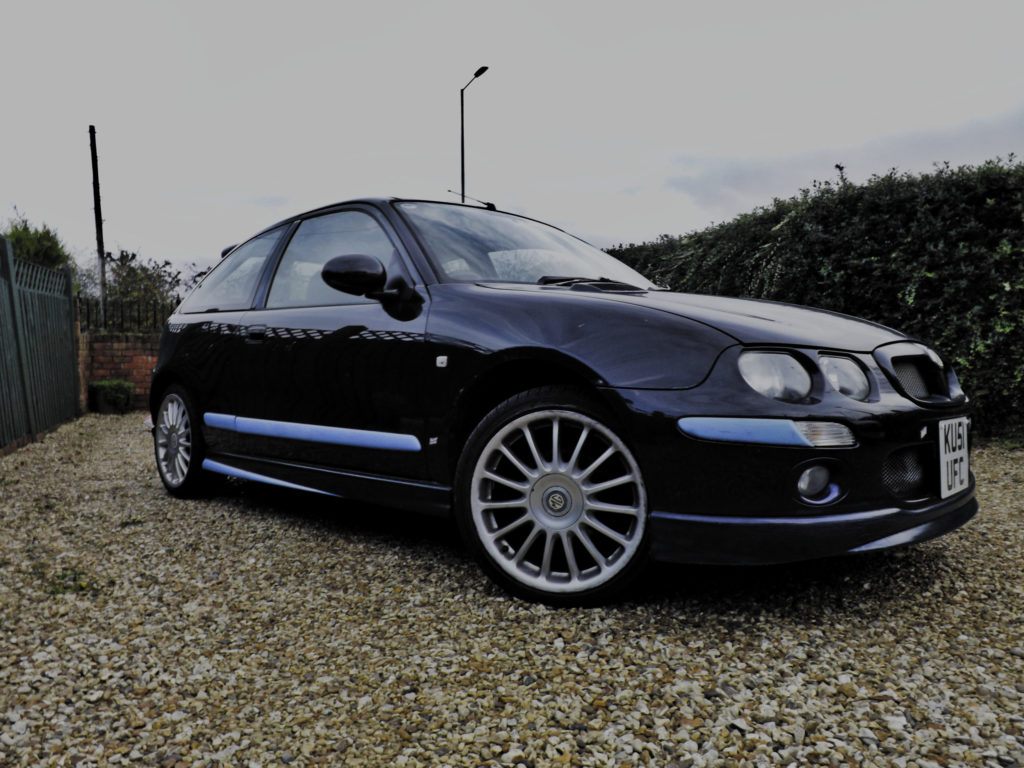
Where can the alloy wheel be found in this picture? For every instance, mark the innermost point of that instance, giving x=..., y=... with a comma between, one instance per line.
x=173, y=438
x=558, y=502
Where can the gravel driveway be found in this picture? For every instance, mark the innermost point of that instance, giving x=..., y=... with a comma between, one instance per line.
x=266, y=628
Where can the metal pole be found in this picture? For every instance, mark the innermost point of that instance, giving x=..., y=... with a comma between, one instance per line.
x=462, y=137
x=76, y=337
x=99, y=225
x=462, y=125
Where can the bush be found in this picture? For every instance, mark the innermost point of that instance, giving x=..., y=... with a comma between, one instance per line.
x=111, y=396
x=939, y=256
x=39, y=245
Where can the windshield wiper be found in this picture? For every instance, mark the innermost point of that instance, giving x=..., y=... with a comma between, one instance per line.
x=598, y=281
x=560, y=280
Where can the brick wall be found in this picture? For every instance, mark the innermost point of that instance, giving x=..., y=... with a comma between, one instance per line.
x=125, y=356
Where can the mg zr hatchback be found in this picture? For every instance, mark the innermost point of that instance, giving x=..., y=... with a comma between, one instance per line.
x=576, y=420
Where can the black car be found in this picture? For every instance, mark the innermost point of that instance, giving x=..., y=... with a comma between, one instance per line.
x=577, y=420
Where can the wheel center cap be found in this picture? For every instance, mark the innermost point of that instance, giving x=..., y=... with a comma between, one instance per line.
x=557, y=501
x=172, y=443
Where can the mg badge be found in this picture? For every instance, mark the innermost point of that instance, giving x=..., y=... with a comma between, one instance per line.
x=557, y=501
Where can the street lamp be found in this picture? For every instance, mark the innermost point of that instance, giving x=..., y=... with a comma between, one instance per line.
x=462, y=125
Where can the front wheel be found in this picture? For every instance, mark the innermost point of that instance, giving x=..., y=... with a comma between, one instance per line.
x=551, y=500
x=178, y=445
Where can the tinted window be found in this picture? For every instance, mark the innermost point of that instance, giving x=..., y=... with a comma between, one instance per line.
x=232, y=283
x=317, y=241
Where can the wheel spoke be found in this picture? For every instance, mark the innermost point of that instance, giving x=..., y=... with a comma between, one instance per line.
x=524, y=548
x=599, y=487
x=571, y=465
x=570, y=556
x=549, y=548
x=584, y=537
x=609, y=451
x=508, y=483
x=513, y=504
x=554, y=443
x=541, y=464
x=607, y=532
x=504, y=531
x=615, y=509
x=527, y=472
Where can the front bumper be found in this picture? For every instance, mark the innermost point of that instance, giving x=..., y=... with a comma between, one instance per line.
x=733, y=540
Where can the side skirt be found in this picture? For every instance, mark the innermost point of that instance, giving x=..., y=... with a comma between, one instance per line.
x=417, y=496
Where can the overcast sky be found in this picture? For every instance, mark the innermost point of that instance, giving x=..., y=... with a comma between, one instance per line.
x=616, y=121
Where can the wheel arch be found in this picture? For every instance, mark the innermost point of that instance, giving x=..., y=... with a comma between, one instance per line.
x=162, y=380
x=511, y=376
x=159, y=384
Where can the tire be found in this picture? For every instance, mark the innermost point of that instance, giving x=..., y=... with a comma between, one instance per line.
x=551, y=500
x=178, y=445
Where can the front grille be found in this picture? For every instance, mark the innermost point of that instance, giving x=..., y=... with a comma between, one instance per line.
x=910, y=376
x=903, y=473
x=921, y=377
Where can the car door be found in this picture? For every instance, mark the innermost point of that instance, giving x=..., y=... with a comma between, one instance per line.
x=334, y=376
x=206, y=335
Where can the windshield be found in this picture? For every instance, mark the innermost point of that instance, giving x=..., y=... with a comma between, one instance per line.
x=471, y=244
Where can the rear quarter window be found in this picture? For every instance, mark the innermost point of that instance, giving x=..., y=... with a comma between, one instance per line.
x=231, y=285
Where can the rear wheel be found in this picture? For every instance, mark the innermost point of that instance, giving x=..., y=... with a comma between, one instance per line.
x=178, y=444
x=551, y=499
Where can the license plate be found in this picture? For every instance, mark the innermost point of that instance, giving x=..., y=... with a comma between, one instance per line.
x=953, y=459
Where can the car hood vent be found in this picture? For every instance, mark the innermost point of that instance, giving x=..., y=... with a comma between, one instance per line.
x=919, y=374
x=913, y=374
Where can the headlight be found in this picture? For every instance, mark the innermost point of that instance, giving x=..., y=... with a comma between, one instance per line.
x=845, y=376
x=776, y=375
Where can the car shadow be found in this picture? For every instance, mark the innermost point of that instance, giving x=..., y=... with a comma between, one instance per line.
x=862, y=585
x=336, y=515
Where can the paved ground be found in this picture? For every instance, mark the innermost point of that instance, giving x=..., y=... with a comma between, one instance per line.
x=264, y=628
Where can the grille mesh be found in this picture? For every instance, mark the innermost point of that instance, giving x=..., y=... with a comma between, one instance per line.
x=903, y=473
x=911, y=378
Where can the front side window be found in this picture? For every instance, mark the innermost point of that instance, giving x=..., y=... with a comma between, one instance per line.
x=318, y=240
x=231, y=285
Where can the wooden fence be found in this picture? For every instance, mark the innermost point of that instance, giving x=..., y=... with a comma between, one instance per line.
x=38, y=361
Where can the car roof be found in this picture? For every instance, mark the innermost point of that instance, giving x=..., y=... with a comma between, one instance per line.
x=378, y=202
x=384, y=202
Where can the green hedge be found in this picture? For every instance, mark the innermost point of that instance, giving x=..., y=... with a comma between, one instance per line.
x=939, y=256
x=111, y=396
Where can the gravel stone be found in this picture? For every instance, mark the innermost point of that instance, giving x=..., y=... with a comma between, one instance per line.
x=267, y=628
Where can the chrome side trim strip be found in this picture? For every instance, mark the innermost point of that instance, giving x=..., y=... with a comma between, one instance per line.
x=356, y=438
x=794, y=522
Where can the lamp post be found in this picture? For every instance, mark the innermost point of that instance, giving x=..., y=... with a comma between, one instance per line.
x=462, y=125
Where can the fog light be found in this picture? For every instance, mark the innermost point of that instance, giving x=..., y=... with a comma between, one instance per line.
x=816, y=486
x=813, y=482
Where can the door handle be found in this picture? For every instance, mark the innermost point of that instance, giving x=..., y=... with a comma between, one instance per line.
x=254, y=334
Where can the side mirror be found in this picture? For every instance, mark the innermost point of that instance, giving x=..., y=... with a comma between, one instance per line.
x=356, y=274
